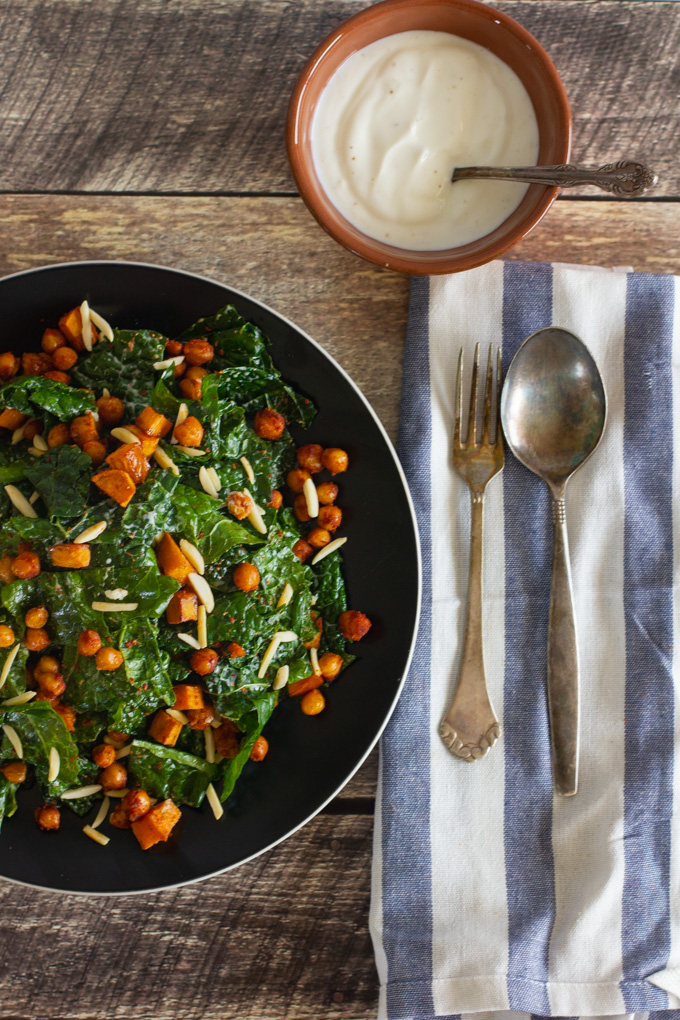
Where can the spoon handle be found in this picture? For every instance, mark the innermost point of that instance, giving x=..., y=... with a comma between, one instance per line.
x=563, y=681
x=625, y=179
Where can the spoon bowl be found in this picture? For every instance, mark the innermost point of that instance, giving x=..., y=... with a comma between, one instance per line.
x=553, y=411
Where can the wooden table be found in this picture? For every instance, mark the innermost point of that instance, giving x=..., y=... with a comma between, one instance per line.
x=152, y=130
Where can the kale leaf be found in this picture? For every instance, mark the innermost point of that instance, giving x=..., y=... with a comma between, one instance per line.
x=40, y=728
x=32, y=394
x=62, y=477
x=8, y=800
x=252, y=724
x=164, y=772
x=128, y=358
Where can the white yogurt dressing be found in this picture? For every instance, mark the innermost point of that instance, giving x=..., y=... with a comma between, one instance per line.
x=398, y=116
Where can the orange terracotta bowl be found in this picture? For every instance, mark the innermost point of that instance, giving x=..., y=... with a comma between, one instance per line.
x=471, y=20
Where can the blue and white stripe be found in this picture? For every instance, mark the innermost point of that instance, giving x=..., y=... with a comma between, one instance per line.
x=489, y=894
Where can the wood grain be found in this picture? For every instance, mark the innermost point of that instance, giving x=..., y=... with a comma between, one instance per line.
x=283, y=936
x=145, y=95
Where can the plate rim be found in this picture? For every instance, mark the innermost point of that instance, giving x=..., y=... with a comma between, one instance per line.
x=419, y=564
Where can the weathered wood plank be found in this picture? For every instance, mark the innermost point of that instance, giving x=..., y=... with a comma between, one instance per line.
x=283, y=936
x=143, y=95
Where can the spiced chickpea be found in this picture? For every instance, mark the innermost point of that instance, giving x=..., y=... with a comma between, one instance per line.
x=137, y=802
x=196, y=372
x=96, y=451
x=89, y=642
x=239, y=505
x=302, y=550
x=51, y=683
x=309, y=458
x=318, y=538
x=6, y=636
x=6, y=573
x=204, y=661
x=276, y=499
x=198, y=352
x=32, y=428
x=9, y=365
x=48, y=664
x=48, y=817
x=51, y=340
x=269, y=424
x=189, y=432
x=353, y=624
x=36, y=617
x=119, y=817
x=200, y=718
x=259, y=749
x=36, y=638
x=246, y=576
x=180, y=369
x=14, y=771
x=312, y=702
x=173, y=349
x=35, y=363
x=300, y=508
x=26, y=565
x=330, y=665
x=335, y=460
x=191, y=388
x=330, y=517
x=111, y=411
x=67, y=713
x=296, y=478
x=58, y=435
x=113, y=777
x=327, y=493
x=108, y=659
x=64, y=358
x=235, y=651
x=104, y=755
x=226, y=740
x=61, y=377
x=84, y=429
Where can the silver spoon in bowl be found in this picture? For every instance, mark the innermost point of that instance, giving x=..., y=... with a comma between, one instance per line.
x=625, y=179
x=553, y=410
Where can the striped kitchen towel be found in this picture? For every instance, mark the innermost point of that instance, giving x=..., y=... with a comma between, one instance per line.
x=490, y=893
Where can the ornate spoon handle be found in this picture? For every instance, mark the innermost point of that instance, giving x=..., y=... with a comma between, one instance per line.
x=625, y=179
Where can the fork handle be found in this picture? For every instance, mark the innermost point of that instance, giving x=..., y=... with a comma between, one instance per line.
x=563, y=680
x=470, y=727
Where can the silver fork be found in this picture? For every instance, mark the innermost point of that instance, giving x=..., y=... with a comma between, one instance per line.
x=470, y=727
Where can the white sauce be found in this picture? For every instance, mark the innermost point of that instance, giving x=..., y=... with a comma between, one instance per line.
x=398, y=116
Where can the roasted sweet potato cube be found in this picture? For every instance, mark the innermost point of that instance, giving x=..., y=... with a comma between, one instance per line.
x=165, y=729
x=70, y=555
x=157, y=824
x=148, y=443
x=171, y=560
x=182, y=607
x=153, y=422
x=307, y=683
x=11, y=419
x=188, y=697
x=116, y=484
x=71, y=325
x=130, y=457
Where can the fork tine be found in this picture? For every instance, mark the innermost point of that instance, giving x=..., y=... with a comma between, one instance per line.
x=459, y=401
x=472, y=417
x=499, y=387
x=488, y=396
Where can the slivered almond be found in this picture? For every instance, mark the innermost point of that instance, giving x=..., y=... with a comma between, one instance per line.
x=20, y=501
x=182, y=415
x=214, y=801
x=209, y=745
x=180, y=717
x=124, y=435
x=98, y=837
x=161, y=457
x=34, y=498
x=123, y=752
x=116, y=594
x=311, y=497
x=102, y=325
x=55, y=765
x=14, y=739
x=117, y=794
x=281, y=678
x=328, y=549
x=35, y=452
x=106, y=393
x=207, y=483
x=18, y=434
x=40, y=443
x=102, y=813
x=193, y=555
x=247, y=467
x=106, y=739
x=82, y=791
x=87, y=325
x=19, y=699
x=214, y=478
x=160, y=365
x=188, y=639
x=191, y=451
x=7, y=665
x=202, y=627
x=203, y=590
x=115, y=607
x=89, y=535
x=314, y=659
x=279, y=638
x=255, y=516
x=285, y=596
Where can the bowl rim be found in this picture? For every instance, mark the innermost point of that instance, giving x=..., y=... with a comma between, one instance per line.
x=402, y=259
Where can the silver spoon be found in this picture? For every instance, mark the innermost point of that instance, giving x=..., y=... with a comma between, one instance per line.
x=553, y=410
x=625, y=179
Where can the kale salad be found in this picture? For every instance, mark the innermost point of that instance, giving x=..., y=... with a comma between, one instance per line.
x=170, y=569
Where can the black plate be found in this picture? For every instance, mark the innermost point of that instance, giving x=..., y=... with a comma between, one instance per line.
x=310, y=759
